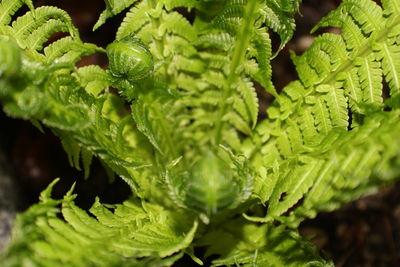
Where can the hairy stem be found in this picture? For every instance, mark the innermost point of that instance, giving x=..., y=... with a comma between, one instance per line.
x=242, y=40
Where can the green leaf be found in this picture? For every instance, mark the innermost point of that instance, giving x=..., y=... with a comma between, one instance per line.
x=113, y=7
x=134, y=20
x=8, y=9
x=131, y=235
x=68, y=50
x=33, y=24
x=140, y=115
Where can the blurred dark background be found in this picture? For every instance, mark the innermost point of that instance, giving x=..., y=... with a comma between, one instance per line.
x=362, y=233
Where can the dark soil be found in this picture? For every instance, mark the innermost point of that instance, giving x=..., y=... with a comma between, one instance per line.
x=363, y=233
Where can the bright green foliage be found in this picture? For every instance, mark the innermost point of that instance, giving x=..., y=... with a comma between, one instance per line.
x=313, y=151
x=244, y=244
x=128, y=234
x=344, y=166
x=191, y=146
x=113, y=7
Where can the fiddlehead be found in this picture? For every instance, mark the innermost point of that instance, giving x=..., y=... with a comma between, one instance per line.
x=129, y=59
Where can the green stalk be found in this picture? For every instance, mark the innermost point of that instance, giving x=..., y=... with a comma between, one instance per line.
x=159, y=42
x=160, y=47
x=241, y=44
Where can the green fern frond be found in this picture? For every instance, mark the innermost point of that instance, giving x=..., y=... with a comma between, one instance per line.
x=33, y=29
x=177, y=24
x=113, y=7
x=77, y=117
x=262, y=44
x=319, y=182
x=134, y=20
x=42, y=34
x=9, y=7
x=40, y=24
x=73, y=151
x=141, y=116
x=337, y=105
x=247, y=104
x=274, y=15
x=358, y=161
x=93, y=86
x=389, y=55
x=68, y=50
x=171, y=4
x=222, y=41
x=128, y=234
x=228, y=18
x=264, y=245
x=370, y=75
x=336, y=79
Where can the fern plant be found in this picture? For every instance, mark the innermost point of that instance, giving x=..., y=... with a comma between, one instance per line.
x=183, y=130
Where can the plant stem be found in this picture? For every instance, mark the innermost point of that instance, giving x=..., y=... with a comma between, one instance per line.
x=241, y=44
x=159, y=42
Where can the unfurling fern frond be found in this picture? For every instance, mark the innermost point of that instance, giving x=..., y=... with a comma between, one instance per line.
x=211, y=185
